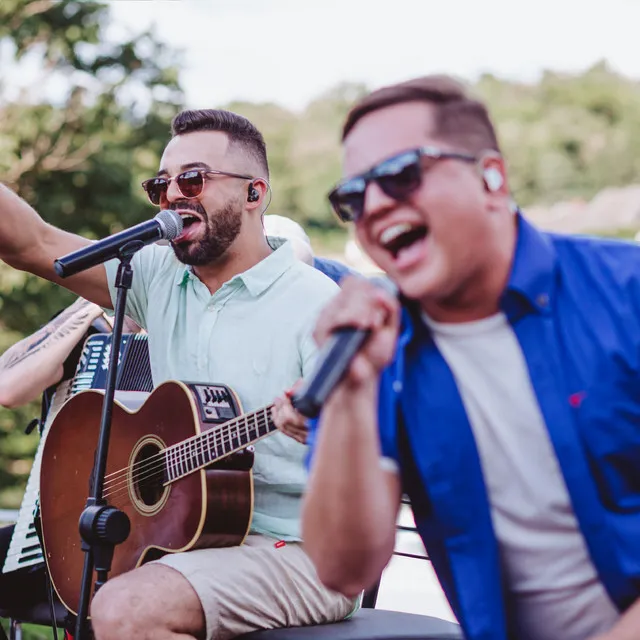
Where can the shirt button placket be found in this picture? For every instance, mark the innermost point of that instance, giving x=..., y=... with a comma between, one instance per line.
x=204, y=338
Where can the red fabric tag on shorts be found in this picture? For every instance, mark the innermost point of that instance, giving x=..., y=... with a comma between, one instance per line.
x=279, y=544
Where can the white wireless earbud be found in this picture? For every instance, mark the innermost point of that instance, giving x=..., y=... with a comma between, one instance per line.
x=493, y=178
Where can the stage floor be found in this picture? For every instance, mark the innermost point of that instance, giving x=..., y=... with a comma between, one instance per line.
x=411, y=585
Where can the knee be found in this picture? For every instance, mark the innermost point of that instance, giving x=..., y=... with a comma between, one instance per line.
x=116, y=610
x=146, y=603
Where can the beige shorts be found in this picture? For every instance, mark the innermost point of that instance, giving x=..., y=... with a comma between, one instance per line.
x=258, y=585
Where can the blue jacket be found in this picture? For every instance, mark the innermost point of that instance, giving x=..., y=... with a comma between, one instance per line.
x=574, y=305
x=332, y=268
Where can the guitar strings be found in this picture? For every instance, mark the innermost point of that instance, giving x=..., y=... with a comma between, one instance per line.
x=207, y=435
x=185, y=451
x=123, y=490
x=234, y=422
x=161, y=461
x=159, y=469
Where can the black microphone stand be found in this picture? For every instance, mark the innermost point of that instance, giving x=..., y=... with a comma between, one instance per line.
x=103, y=526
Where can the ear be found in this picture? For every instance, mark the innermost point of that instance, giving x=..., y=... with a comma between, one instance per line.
x=261, y=187
x=493, y=172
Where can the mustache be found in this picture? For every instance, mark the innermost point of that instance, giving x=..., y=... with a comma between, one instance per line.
x=188, y=205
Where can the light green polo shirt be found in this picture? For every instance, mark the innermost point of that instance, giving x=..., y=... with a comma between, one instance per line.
x=254, y=334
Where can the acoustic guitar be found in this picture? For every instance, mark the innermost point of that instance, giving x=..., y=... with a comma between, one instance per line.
x=179, y=467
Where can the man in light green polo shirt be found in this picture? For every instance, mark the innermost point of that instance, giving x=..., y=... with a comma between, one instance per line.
x=219, y=305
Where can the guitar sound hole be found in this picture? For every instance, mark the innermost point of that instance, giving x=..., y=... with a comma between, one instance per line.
x=149, y=475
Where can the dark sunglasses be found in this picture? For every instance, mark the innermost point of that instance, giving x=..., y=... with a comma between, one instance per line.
x=190, y=183
x=398, y=177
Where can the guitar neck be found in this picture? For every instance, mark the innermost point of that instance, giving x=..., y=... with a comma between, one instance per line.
x=197, y=452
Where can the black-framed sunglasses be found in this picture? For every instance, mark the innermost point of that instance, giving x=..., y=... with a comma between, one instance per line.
x=190, y=183
x=398, y=177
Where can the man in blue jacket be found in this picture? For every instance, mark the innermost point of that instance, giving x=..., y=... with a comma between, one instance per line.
x=501, y=392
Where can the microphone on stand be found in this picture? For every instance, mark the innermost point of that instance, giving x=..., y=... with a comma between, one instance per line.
x=332, y=363
x=167, y=225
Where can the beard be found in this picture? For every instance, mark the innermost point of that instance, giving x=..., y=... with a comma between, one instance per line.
x=221, y=230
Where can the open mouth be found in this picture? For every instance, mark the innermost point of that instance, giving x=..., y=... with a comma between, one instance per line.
x=398, y=237
x=188, y=219
x=191, y=224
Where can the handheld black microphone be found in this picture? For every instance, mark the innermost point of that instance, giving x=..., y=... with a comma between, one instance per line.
x=333, y=361
x=167, y=225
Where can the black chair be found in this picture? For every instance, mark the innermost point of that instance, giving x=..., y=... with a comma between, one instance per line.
x=369, y=624
x=375, y=624
x=38, y=614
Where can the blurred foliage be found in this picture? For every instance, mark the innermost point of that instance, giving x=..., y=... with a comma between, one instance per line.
x=34, y=632
x=78, y=154
x=304, y=154
x=75, y=143
x=567, y=136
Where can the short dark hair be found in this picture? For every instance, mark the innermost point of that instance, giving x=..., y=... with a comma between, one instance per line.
x=458, y=117
x=241, y=132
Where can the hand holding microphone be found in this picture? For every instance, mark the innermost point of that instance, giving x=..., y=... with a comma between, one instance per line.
x=357, y=334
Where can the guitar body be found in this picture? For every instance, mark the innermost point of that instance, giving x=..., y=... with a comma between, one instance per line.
x=209, y=507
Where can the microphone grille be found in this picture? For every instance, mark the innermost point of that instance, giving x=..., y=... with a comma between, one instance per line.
x=170, y=223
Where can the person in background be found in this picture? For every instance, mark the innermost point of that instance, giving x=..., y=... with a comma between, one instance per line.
x=34, y=367
x=278, y=226
x=45, y=358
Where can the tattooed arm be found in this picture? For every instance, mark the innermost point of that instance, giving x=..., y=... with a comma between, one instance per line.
x=35, y=363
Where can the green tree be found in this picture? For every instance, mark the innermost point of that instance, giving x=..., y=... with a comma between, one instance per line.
x=304, y=152
x=75, y=143
x=568, y=135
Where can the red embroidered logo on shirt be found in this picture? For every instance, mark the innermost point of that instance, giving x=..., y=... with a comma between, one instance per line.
x=575, y=399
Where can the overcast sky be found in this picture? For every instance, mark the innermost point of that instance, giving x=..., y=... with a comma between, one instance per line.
x=290, y=51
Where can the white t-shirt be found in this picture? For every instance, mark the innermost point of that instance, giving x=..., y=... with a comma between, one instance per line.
x=555, y=587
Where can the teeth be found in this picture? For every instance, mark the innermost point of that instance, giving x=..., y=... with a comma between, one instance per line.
x=391, y=233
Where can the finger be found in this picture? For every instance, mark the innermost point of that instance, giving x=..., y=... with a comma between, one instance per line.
x=299, y=435
x=278, y=418
x=290, y=392
x=301, y=430
x=288, y=413
x=296, y=433
x=385, y=300
x=285, y=416
x=352, y=310
x=295, y=422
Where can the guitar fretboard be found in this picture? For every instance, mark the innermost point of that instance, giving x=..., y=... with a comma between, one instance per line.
x=214, y=444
